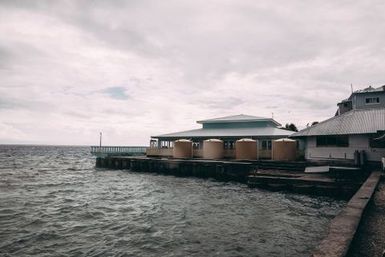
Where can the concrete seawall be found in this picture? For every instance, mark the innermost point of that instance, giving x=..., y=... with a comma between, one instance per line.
x=221, y=170
x=344, y=226
x=287, y=176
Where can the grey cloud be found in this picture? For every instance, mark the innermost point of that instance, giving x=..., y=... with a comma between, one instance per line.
x=295, y=58
x=26, y=104
x=221, y=103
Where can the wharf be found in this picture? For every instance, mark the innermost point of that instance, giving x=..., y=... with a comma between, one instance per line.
x=287, y=176
x=343, y=227
x=330, y=184
x=369, y=239
x=221, y=170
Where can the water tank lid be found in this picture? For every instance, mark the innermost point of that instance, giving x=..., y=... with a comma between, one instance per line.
x=183, y=140
x=213, y=140
x=246, y=140
x=284, y=140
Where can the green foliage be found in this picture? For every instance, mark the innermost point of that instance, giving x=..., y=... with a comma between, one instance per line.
x=291, y=126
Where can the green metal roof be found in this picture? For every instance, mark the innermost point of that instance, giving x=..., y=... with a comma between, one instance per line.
x=229, y=132
x=238, y=118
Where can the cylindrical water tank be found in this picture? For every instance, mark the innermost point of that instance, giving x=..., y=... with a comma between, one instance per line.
x=183, y=148
x=213, y=149
x=284, y=150
x=246, y=149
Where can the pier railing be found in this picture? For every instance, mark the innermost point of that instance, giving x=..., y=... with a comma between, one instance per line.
x=118, y=150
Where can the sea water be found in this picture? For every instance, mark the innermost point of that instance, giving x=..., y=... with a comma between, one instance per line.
x=54, y=202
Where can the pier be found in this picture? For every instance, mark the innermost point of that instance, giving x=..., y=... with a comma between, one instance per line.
x=341, y=182
x=343, y=227
x=221, y=170
x=271, y=175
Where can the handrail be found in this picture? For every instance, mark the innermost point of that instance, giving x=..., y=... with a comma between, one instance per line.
x=97, y=150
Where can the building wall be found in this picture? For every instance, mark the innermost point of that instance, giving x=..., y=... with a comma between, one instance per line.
x=160, y=152
x=359, y=100
x=356, y=142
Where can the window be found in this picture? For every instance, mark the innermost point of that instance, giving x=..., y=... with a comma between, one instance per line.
x=377, y=140
x=372, y=100
x=229, y=144
x=337, y=141
x=266, y=145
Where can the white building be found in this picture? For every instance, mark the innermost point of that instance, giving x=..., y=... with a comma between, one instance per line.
x=359, y=125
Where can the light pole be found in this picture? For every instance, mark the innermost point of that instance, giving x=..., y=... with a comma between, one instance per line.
x=100, y=141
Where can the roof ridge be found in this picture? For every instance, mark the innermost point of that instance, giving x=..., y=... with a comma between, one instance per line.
x=235, y=115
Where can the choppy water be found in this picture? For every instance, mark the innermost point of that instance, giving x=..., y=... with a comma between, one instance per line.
x=53, y=202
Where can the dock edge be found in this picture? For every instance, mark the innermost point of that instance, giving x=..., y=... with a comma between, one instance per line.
x=344, y=226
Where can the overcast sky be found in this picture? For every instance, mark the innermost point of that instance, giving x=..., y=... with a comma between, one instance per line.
x=135, y=68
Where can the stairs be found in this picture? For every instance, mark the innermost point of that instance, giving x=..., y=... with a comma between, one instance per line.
x=281, y=165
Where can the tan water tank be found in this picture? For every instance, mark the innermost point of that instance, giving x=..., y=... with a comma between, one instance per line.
x=284, y=150
x=246, y=149
x=213, y=149
x=183, y=148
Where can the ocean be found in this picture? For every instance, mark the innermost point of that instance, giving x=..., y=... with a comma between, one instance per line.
x=54, y=202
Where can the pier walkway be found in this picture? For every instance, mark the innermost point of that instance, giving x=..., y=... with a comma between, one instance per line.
x=343, y=227
x=370, y=236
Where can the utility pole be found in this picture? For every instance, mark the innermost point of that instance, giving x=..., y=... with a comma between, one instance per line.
x=351, y=87
x=100, y=140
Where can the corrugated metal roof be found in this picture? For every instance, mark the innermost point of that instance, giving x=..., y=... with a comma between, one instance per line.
x=359, y=121
x=229, y=132
x=238, y=118
x=371, y=89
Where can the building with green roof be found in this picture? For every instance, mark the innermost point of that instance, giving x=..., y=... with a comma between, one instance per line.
x=229, y=129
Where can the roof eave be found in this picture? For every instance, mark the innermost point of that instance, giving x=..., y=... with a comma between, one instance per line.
x=237, y=121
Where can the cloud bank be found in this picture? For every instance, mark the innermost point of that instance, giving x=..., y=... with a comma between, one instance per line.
x=69, y=69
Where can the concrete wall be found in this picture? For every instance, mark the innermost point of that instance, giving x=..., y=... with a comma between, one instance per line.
x=356, y=142
x=160, y=152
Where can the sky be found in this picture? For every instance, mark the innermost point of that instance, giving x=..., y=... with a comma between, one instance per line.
x=136, y=68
